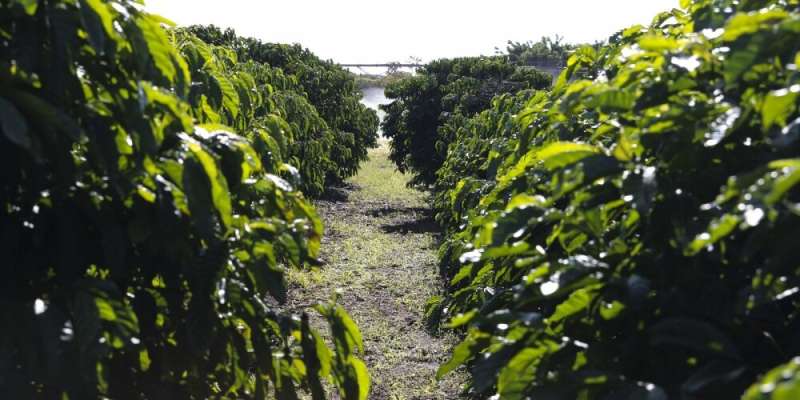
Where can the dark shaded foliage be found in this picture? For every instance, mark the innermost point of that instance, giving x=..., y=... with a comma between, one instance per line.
x=145, y=225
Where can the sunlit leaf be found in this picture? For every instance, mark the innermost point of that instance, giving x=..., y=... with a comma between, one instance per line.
x=561, y=154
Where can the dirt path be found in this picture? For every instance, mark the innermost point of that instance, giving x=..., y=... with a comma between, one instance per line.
x=379, y=249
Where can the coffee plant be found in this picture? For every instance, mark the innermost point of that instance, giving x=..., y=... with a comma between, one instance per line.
x=428, y=108
x=331, y=89
x=632, y=234
x=468, y=173
x=148, y=215
x=222, y=94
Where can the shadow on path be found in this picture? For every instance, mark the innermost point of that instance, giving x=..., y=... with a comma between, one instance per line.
x=339, y=193
x=418, y=225
x=391, y=210
x=405, y=220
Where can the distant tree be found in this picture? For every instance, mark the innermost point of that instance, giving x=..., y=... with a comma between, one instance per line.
x=394, y=67
x=547, y=50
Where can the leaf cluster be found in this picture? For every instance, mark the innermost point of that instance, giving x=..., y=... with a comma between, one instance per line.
x=428, y=108
x=547, y=51
x=148, y=215
x=329, y=88
x=632, y=233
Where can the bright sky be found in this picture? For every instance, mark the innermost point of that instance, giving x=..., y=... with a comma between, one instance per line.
x=378, y=31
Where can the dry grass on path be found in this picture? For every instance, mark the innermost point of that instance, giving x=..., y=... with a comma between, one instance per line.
x=379, y=249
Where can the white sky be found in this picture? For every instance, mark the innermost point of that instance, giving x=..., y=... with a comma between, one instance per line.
x=378, y=31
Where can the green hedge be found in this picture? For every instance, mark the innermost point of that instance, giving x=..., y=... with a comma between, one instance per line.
x=633, y=232
x=145, y=225
x=331, y=89
x=428, y=108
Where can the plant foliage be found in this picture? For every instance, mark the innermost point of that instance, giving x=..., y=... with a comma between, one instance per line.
x=145, y=224
x=278, y=105
x=428, y=107
x=632, y=233
x=331, y=89
x=547, y=51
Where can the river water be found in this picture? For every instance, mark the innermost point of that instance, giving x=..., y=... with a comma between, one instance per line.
x=374, y=97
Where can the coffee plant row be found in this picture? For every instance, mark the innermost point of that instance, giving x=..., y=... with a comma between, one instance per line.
x=632, y=233
x=332, y=90
x=149, y=211
x=429, y=107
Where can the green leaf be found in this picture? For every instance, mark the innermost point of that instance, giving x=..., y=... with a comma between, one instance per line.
x=98, y=23
x=718, y=230
x=230, y=99
x=612, y=100
x=632, y=31
x=14, y=126
x=514, y=249
x=463, y=273
x=524, y=200
x=627, y=148
x=177, y=108
x=163, y=55
x=362, y=377
x=781, y=383
x=462, y=319
x=144, y=360
x=779, y=105
x=351, y=329
x=324, y=355
x=561, y=154
x=658, y=43
x=786, y=182
x=30, y=6
x=220, y=195
x=577, y=301
x=105, y=310
x=747, y=23
x=463, y=352
x=517, y=376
